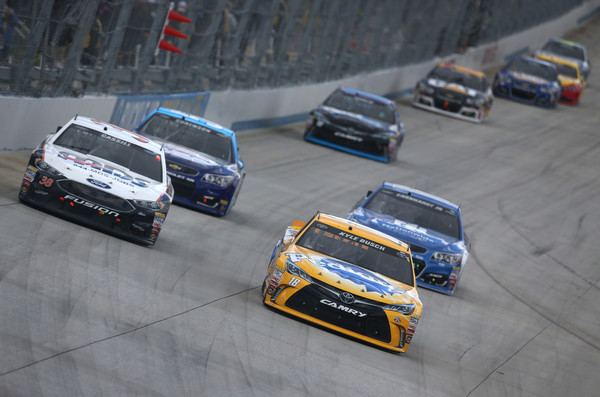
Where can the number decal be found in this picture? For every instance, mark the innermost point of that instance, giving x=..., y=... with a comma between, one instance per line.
x=47, y=181
x=294, y=281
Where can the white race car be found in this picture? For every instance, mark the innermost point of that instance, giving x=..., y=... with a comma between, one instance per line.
x=103, y=176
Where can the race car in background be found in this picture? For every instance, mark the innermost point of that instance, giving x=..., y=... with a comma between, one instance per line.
x=345, y=277
x=103, y=176
x=529, y=80
x=455, y=91
x=203, y=159
x=357, y=122
x=431, y=225
x=568, y=50
x=570, y=77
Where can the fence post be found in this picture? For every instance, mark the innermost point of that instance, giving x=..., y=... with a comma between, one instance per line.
x=71, y=63
x=24, y=71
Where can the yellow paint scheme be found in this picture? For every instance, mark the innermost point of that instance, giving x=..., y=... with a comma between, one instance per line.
x=565, y=80
x=280, y=285
x=462, y=69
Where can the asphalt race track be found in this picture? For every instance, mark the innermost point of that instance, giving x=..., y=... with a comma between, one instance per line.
x=87, y=314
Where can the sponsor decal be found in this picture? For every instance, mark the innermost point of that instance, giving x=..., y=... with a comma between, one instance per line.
x=98, y=169
x=274, y=280
x=98, y=183
x=350, y=137
x=89, y=204
x=343, y=308
x=404, y=229
x=410, y=331
x=362, y=240
x=347, y=271
x=181, y=177
x=528, y=77
x=116, y=140
x=357, y=275
x=30, y=174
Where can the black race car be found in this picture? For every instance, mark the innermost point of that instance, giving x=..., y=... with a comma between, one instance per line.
x=357, y=122
x=455, y=91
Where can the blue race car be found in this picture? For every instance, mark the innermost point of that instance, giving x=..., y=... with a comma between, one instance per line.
x=357, y=122
x=529, y=80
x=568, y=50
x=202, y=159
x=431, y=225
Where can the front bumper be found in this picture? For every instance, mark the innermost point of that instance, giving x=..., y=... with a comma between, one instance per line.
x=91, y=206
x=434, y=276
x=206, y=197
x=525, y=93
x=570, y=96
x=453, y=109
x=320, y=304
x=375, y=149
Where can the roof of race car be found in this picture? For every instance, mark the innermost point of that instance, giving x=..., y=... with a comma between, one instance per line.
x=342, y=222
x=461, y=69
x=421, y=194
x=117, y=132
x=568, y=42
x=196, y=119
x=532, y=60
x=557, y=59
x=368, y=95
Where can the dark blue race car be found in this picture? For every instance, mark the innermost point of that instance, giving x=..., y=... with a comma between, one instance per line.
x=202, y=159
x=529, y=80
x=432, y=227
x=357, y=122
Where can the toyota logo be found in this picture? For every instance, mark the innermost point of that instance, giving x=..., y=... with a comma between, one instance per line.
x=347, y=298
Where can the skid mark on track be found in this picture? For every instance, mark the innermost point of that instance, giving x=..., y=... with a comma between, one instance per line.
x=539, y=251
x=507, y=360
x=524, y=302
x=131, y=331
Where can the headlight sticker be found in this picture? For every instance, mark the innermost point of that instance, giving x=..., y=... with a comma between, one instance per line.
x=274, y=280
x=411, y=329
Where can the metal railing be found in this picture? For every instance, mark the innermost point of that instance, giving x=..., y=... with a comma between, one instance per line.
x=73, y=47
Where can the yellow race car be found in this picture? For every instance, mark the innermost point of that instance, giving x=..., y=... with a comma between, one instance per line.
x=346, y=277
x=570, y=77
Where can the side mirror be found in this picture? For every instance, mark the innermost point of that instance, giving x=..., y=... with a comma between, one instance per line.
x=370, y=192
x=58, y=129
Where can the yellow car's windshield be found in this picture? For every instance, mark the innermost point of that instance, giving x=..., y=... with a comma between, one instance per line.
x=361, y=251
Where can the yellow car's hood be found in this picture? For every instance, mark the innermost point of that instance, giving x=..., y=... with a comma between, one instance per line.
x=352, y=278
